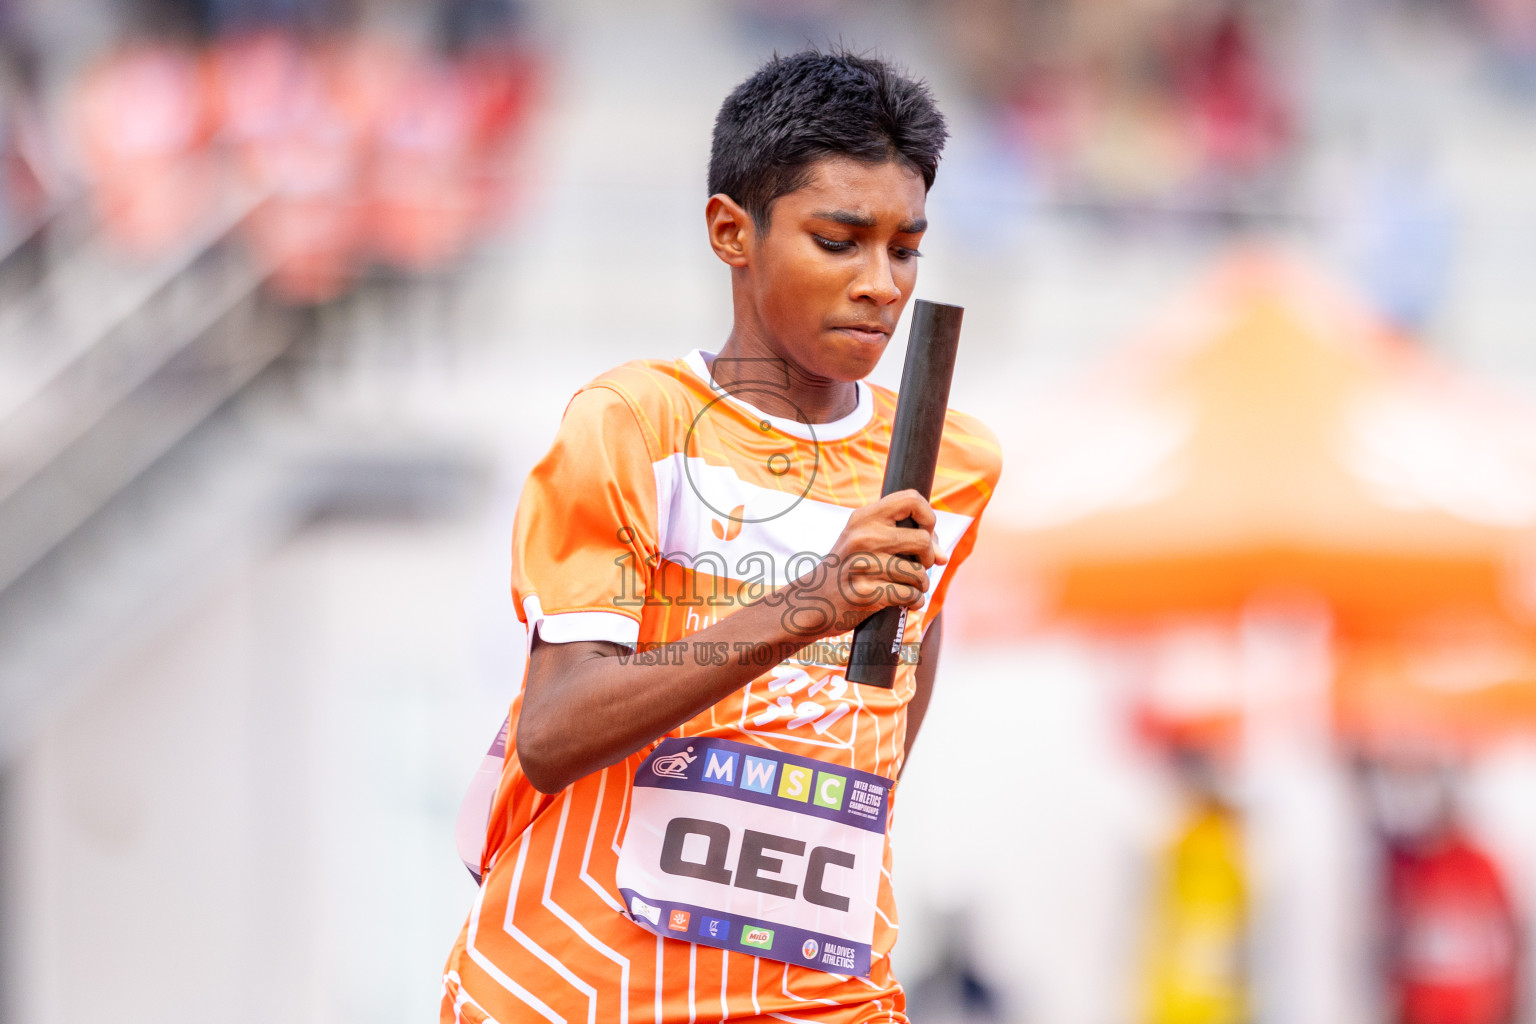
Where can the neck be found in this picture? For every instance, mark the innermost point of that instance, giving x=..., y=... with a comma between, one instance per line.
x=750, y=368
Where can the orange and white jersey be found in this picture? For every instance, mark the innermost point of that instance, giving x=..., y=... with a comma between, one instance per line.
x=663, y=505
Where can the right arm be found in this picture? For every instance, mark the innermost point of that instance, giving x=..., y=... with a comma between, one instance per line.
x=586, y=707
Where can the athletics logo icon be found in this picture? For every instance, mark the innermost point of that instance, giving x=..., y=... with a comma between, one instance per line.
x=674, y=766
x=810, y=949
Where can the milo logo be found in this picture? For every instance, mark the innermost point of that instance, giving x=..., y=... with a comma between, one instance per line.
x=762, y=938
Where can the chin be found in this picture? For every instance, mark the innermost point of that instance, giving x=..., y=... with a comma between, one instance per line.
x=850, y=361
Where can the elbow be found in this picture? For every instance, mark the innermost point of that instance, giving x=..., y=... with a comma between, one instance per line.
x=540, y=758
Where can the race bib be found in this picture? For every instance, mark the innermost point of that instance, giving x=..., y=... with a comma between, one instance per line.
x=755, y=851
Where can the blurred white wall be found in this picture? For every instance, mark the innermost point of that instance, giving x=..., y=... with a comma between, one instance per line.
x=250, y=818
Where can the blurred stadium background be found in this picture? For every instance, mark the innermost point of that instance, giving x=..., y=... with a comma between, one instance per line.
x=1237, y=715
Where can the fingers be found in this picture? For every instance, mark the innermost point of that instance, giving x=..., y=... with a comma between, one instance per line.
x=920, y=545
x=878, y=527
x=908, y=584
x=886, y=543
x=886, y=550
x=892, y=568
x=908, y=504
x=899, y=583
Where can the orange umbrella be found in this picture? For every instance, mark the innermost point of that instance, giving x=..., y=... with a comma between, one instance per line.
x=1270, y=437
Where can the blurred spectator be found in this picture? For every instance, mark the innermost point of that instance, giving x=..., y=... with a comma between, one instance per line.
x=1197, y=953
x=954, y=991
x=1511, y=28
x=348, y=149
x=1157, y=105
x=1451, y=930
x=300, y=145
x=423, y=203
x=1240, y=121
x=143, y=123
x=30, y=181
x=478, y=24
x=1402, y=230
x=226, y=17
x=790, y=24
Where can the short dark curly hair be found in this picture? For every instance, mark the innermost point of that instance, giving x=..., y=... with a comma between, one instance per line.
x=795, y=110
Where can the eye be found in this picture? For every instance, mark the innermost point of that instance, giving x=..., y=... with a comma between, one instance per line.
x=903, y=253
x=832, y=245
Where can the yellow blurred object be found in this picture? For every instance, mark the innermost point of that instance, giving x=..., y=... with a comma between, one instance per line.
x=1195, y=964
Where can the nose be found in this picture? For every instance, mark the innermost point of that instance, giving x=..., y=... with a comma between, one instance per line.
x=875, y=282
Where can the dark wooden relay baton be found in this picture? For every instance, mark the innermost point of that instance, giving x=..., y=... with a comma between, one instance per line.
x=915, y=436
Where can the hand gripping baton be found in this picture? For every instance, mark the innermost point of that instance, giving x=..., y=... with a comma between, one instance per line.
x=915, y=436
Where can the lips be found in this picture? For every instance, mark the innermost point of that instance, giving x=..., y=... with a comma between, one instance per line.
x=867, y=333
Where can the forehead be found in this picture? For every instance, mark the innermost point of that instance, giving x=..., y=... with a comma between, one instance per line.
x=889, y=190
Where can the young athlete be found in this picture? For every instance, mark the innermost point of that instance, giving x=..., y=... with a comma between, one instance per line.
x=692, y=819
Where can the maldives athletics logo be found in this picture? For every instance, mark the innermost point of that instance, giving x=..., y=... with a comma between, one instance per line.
x=810, y=948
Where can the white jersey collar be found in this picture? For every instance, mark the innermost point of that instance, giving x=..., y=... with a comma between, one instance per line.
x=834, y=431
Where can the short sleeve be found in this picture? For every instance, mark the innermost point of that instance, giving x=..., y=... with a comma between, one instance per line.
x=585, y=537
x=971, y=462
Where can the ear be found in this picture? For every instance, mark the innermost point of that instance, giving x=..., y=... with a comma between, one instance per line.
x=730, y=229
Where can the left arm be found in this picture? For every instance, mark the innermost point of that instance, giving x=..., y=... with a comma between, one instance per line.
x=927, y=666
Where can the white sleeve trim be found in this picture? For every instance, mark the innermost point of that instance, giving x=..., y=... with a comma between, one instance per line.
x=571, y=627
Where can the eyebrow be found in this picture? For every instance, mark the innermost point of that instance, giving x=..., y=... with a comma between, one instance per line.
x=864, y=220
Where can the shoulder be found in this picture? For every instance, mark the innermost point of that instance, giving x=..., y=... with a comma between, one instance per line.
x=659, y=394
x=970, y=464
x=970, y=444
x=969, y=449
x=651, y=394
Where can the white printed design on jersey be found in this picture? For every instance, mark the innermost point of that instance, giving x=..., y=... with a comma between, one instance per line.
x=689, y=490
x=797, y=700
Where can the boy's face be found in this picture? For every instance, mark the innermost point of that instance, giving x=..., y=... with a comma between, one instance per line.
x=829, y=278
